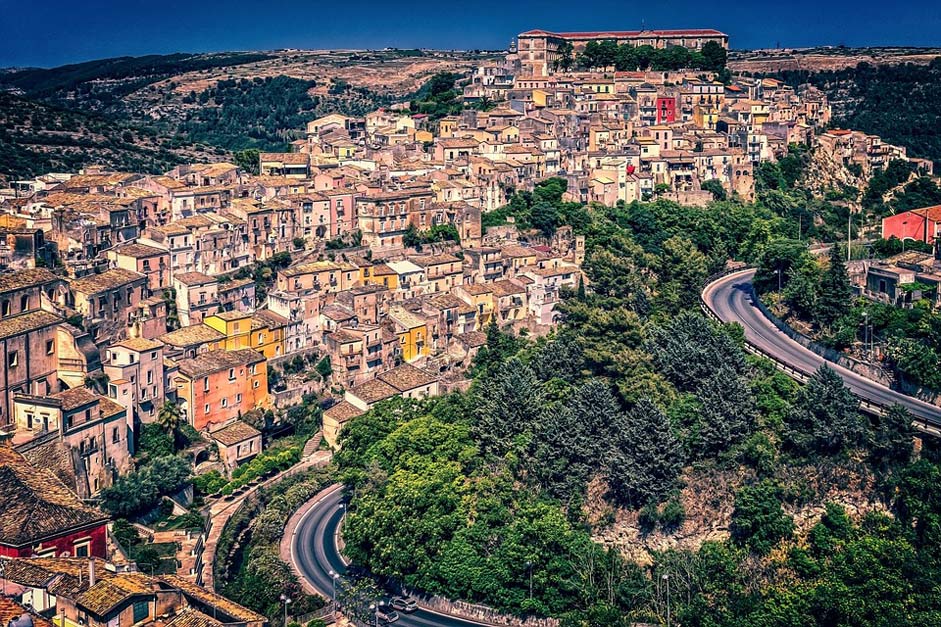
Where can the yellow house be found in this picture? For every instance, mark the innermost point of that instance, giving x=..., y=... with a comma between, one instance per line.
x=412, y=333
x=480, y=297
x=705, y=117
x=425, y=137
x=540, y=96
x=381, y=274
x=262, y=331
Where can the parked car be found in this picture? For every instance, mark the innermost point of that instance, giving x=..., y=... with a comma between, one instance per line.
x=404, y=604
x=387, y=616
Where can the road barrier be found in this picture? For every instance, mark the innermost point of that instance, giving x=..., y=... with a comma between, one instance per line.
x=798, y=375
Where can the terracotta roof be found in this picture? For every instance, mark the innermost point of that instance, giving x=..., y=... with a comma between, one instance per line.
x=473, y=339
x=25, y=278
x=75, y=398
x=407, y=377
x=213, y=600
x=107, y=280
x=234, y=432
x=11, y=612
x=374, y=391
x=193, y=278
x=190, y=617
x=188, y=336
x=108, y=594
x=343, y=411
x=218, y=360
x=139, y=250
x=35, y=505
x=139, y=344
x=25, y=322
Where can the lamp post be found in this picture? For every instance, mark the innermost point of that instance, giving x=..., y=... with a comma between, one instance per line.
x=375, y=610
x=334, y=576
x=666, y=579
x=777, y=271
x=285, y=600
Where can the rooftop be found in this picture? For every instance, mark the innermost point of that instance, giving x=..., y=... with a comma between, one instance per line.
x=20, y=279
x=35, y=505
x=218, y=360
x=234, y=432
x=26, y=322
x=107, y=280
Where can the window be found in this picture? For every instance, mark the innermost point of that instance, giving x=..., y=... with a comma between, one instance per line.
x=13, y=359
x=255, y=384
x=238, y=398
x=206, y=384
x=225, y=403
x=5, y=308
x=24, y=302
x=141, y=611
x=81, y=549
x=115, y=435
x=206, y=409
x=231, y=374
x=50, y=347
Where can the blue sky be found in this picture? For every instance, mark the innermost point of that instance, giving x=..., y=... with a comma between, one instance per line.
x=54, y=32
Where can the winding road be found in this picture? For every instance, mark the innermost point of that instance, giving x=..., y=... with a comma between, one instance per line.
x=730, y=299
x=315, y=553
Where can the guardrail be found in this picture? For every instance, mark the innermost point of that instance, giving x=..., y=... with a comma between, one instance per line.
x=800, y=376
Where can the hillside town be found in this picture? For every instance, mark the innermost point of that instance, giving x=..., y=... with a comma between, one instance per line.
x=360, y=266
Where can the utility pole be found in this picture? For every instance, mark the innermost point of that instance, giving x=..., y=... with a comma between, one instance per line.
x=849, y=234
x=666, y=578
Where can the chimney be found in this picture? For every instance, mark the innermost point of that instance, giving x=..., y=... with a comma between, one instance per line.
x=91, y=572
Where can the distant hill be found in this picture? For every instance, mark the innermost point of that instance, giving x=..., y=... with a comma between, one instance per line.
x=151, y=112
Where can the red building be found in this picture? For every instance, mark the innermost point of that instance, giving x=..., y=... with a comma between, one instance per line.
x=40, y=516
x=918, y=224
x=666, y=109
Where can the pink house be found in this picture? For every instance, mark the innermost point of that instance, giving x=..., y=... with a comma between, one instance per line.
x=918, y=224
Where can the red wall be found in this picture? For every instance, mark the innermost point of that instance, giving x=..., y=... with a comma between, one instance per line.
x=906, y=225
x=666, y=110
x=63, y=544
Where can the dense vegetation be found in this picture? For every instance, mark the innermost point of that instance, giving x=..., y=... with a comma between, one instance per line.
x=248, y=566
x=897, y=102
x=628, y=406
x=607, y=53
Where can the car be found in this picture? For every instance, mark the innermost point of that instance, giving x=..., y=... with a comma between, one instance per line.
x=404, y=604
x=387, y=616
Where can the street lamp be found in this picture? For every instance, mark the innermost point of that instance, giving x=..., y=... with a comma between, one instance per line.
x=666, y=578
x=866, y=334
x=285, y=600
x=375, y=609
x=334, y=576
x=777, y=271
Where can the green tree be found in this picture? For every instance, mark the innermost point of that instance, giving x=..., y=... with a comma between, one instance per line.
x=891, y=438
x=758, y=521
x=247, y=160
x=689, y=348
x=646, y=458
x=715, y=56
x=170, y=418
x=728, y=411
x=825, y=417
x=510, y=403
x=836, y=292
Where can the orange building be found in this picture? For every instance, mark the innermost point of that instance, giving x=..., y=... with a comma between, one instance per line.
x=219, y=386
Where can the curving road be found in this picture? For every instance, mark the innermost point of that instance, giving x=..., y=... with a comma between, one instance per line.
x=730, y=299
x=315, y=553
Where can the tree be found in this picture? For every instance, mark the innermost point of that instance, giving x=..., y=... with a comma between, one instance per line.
x=689, y=348
x=566, y=60
x=758, y=521
x=891, y=437
x=835, y=290
x=825, y=417
x=715, y=187
x=247, y=160
x=510, y=402
x=560, y=358
x=154, y=441
x=714, y=56
x=169, y=417
x=646, y=458
x=728, y=411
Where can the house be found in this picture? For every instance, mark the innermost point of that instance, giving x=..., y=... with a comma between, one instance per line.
x=923, y=225
x=106, y=301
x=335, y=418
x=39, y=515
x=412, y=332
x=405, y=380
x=197, y=296
x=85, y=438
x=238, y=442
x=152, y=262
x=219, y=386
x=136, y=377
x=29, y=344
x=189, y=341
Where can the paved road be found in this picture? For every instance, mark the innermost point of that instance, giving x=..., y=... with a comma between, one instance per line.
x=315, y=553
x=730, y=298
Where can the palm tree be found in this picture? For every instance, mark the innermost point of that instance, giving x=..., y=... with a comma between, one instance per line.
x=170, y=418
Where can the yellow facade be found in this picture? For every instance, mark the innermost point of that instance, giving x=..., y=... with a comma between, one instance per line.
x=241, y=330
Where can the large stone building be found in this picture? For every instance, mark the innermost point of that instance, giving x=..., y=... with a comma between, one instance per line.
x=538, y=49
